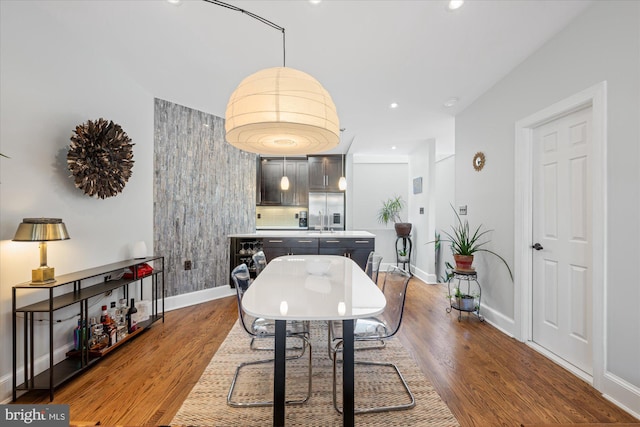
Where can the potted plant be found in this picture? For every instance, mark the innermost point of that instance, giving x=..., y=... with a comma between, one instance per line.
x=390, y=211
x=465, y=242
x=402, y=255
x=463, y=301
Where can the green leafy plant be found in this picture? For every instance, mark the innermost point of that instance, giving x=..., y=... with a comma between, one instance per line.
x=465, y=241
x=448, y=272
x=390, y=210
x=6, y=157
x=402, y=252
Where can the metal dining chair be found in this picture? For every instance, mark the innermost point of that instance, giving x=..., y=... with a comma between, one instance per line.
x=374, y=260
x=379, y=328
x=259, y=261
x=373, y=266
x=259, y=328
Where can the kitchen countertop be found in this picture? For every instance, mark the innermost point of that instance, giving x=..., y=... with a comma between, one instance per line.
x=304, y=233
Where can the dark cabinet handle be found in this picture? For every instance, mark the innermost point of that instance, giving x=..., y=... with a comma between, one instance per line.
x=537, y=247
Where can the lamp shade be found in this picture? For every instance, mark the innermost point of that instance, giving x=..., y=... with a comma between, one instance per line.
x=41, y=230
x=281, y=110
x=342, y=183
x=284, y=183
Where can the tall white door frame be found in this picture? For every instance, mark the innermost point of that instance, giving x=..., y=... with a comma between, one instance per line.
x=595, y=97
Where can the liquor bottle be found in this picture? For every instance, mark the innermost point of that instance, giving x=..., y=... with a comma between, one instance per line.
x=112, y=312
x=92, y=322
x=132, y=323
x=104, y=319
x=77, y=336
x=121, y=319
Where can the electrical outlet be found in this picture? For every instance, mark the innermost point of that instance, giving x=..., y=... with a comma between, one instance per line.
x=187, y=265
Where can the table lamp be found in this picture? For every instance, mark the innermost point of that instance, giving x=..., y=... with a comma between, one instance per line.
x=41, y=230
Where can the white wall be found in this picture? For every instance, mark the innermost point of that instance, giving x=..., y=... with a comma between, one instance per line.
x=51, y=81
x=445, y=186
x=422, y=164
x=374, y=180
x=603, y=44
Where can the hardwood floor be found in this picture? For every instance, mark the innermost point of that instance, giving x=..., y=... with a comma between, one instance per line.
x=485, y=377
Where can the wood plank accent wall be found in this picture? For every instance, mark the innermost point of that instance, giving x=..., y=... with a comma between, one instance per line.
x=204, y=189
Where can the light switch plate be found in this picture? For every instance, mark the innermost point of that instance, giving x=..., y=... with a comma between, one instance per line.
x=421, y=211
x=462, y=209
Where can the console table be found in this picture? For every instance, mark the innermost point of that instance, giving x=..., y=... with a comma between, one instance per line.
x=57, y=298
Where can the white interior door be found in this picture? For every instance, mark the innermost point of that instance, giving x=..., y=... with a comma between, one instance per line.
x=562, y=288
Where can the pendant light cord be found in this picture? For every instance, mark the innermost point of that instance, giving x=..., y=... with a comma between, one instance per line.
x=259, y=18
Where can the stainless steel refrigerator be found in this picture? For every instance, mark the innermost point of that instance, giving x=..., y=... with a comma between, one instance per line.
x=326, y=211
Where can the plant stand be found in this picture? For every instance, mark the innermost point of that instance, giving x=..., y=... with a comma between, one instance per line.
x=406, y=245
x=468, y=276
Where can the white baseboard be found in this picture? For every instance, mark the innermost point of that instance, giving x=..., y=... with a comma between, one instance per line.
x=420, y=274
x=622, y=393
x=198, y=297
x=424, y=276
x=171, y=303
x=498, y=320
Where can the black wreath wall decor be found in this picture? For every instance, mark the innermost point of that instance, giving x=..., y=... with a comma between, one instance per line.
x=100, y=158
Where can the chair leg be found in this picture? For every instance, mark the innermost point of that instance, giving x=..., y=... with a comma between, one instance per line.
x=235, y=404
x=409, y=405
x=331, y=349
x=254, y=340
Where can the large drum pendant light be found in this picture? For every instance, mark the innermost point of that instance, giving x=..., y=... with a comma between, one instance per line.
x=281, y=110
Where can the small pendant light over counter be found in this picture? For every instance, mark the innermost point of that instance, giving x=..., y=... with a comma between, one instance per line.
x=342, y=182
x=284, y=182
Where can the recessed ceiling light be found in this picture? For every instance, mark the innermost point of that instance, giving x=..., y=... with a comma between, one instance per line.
x=455, y=4
x=315, y=1
x=175, y=2
x=451, y=102
x=394, y=105
x=393, y=147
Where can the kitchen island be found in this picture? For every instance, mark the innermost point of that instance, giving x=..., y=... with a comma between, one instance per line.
x=353, y=244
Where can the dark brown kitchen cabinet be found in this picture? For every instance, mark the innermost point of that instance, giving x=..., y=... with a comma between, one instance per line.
x=274, y=247
x=357, y=249
x=271, y=172
x=324, y=172
x=242, y=248
x=298, y=192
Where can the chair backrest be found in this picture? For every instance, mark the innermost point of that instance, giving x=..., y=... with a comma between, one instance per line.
x=395, y=285
x=242, y=280
x=260, y=261
x=373, y=266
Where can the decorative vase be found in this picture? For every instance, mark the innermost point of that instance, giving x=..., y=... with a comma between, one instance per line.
x=403, y=229
x=463, y=262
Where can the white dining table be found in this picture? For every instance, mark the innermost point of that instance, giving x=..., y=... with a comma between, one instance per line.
x=313, y=287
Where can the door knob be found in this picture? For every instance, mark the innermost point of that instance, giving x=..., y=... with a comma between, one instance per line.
x=537, y=247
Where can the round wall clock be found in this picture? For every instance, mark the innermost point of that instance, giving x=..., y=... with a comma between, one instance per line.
x=100, y=158
x=478, y=161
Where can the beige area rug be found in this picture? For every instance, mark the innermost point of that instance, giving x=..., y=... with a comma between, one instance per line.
x=206, y=404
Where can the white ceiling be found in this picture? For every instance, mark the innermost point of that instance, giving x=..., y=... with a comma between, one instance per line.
x=367, y=54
